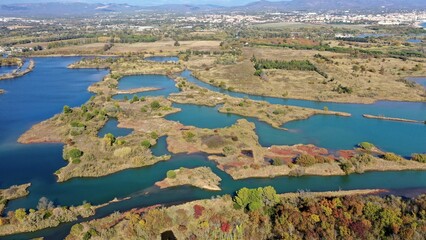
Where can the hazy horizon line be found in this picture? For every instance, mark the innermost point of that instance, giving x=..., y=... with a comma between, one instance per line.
x=147, y=3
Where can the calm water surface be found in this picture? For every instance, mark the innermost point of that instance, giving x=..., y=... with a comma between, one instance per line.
x=7, y=69
x=165, y=85
x=420, y=80
x=414, y=40
x=111, y=127
x=162, y=59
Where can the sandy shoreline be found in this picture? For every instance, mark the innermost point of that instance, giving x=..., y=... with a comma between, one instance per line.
x=19, y=73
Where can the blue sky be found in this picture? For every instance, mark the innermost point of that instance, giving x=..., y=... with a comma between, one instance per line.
x=145, y=2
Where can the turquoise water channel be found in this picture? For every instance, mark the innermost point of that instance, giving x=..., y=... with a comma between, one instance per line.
x=162, y=59
x=42, y=93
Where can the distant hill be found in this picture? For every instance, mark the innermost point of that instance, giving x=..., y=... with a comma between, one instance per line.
x=79, y=8
x=315, y=5
x=57, y=9
x=184, y=8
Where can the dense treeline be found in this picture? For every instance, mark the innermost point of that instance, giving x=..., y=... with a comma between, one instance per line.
x=71, y=42
x=301, y=65
x=262, y=214
x=353, y=39
x=397, y=54
x=133, y=38
x=51, y=39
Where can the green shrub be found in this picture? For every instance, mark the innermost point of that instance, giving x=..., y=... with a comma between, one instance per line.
x=77, y=124
x=305, y=160
x=87, y=236
x=277, y=162
x=392, y=157
x=188, y=136
x=278, y=111
x=20, y=214
x=76, y=229
x=75, y=153
x=362, y=159
x=418, y=157
x=171, y=174
x=67, y=109
x=134, y=99
x=256, y=199
x=258, y=72
x=146, y=144
x=366, y=146
x=89, y=116
x=109, y=138
x=155, y=105
x=343, y=89
x=76, y=161
x=115, y=76
x=154, y=135
x=346, y=166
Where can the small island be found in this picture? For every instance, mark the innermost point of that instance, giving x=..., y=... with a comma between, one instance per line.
x=46, y=215
x=201, y=177
x=19, y=72
x=14, y=192
x=392, y=119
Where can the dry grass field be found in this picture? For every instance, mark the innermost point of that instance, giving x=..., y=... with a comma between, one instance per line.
x=163, y=48
x=370, y=78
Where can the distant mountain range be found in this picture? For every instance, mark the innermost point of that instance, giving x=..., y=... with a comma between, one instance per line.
x=318, y=5
x=81, y=9
x=58, y=9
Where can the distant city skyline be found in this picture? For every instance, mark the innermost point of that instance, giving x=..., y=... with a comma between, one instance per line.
x=147, y=2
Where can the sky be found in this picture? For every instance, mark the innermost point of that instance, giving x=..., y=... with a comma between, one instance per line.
x=146, y=2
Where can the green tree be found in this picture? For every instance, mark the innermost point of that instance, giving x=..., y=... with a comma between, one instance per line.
x=146, y=144
x=305, y=160
x=155, y=105
x=419, y=157
x=109, y=139
x=75, y=153
x=134, y=99
x=171, y=174
x=255, y=199
x=20, y=214
x=392, y=157
x=67, y=109
x=366, y=146
x=154, y=135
